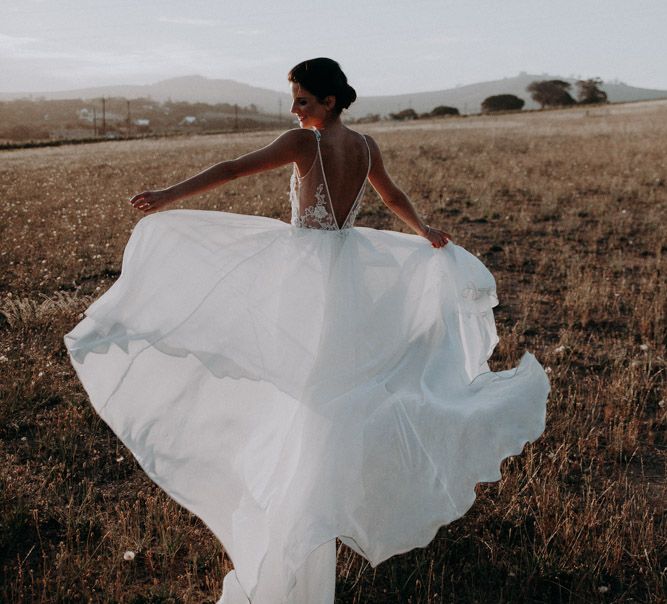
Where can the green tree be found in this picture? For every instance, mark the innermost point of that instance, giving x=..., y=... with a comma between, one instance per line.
x=406, y=114
x=502, y=102
x=551, y=93
x=588, y=91
x=444, y=110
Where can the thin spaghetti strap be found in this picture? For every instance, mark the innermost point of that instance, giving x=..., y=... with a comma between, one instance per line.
x=369, y=154
x=318, y=136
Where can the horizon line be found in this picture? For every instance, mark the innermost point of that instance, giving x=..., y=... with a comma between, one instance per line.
x=614, y=81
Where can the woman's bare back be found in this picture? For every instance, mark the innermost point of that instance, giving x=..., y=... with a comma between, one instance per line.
x=339, y=161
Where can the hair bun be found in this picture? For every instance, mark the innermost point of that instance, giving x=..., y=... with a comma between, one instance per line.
x=349, y=95
x=323, y=77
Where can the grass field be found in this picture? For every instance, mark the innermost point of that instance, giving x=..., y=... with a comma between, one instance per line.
x=568, y=210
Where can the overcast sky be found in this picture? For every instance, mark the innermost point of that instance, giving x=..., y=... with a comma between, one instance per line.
x=385, y=46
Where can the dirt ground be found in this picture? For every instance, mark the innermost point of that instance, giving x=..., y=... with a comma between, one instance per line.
x=567, y=208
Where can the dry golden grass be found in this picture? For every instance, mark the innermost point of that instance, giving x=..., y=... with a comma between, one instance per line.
x=567, y=208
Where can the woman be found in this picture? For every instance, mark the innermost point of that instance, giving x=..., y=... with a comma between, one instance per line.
x=292, y=385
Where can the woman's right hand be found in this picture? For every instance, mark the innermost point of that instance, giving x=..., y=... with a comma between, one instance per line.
x=437, y=237
x=151, y=201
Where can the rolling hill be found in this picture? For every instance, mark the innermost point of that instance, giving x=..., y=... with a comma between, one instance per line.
x=467, y=99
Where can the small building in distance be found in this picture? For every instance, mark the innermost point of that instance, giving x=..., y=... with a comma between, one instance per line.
x=89, y=116
x=142, y=124
x=86, y=115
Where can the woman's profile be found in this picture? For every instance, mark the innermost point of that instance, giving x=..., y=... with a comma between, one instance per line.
x=294, y=384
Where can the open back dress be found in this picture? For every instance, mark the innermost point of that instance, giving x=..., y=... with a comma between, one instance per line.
x=294, y=384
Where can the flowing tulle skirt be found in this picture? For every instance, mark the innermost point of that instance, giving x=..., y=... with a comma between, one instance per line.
x=290, y=386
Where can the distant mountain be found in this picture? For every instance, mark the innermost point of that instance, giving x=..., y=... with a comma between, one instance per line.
x=193, y=89
x=467, y=99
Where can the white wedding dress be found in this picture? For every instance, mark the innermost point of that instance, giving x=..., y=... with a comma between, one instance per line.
x=291, y=384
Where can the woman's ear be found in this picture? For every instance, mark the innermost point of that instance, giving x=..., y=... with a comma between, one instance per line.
x=330, y=102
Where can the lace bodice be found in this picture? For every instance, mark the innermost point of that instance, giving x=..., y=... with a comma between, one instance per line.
x=311, y=200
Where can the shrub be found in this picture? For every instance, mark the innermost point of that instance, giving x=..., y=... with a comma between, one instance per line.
x=502, y=102
x=405, y=114
x=368, y=118
x=444, y=110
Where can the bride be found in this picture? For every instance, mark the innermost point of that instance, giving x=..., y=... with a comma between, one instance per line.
x=295, y=384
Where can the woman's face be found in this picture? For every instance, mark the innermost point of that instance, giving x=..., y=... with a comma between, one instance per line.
x=311, y=113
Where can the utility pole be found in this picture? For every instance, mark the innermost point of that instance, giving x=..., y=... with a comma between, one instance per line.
x=129, y=121
x=236, y=116
x=104, y=116
x=280, y=110
x=95, y=120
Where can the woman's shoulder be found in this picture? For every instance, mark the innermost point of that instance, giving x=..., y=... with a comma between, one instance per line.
x=303, y=139
x=357, y=133
x=369, y=139
x=370, y=142
x=296, y=142
x=297, y=136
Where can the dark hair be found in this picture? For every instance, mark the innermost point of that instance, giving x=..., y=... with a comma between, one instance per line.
x=322, y=78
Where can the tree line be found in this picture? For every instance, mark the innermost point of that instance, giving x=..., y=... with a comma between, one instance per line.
x=547, y=93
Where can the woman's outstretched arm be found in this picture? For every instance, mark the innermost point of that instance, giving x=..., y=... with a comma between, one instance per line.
x=397, y=201
x=284, y=150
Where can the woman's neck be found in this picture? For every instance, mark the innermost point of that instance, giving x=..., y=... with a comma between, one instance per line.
x=331, y=125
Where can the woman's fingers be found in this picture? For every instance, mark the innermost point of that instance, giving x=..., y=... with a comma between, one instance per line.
x=443, y=240
x=438, y=238
x=144, y=202
x=138, y=199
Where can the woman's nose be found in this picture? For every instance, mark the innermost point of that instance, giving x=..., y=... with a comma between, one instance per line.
x=293, y=108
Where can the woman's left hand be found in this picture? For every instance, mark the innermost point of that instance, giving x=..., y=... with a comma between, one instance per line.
x=437, y=237
x=150, y=201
